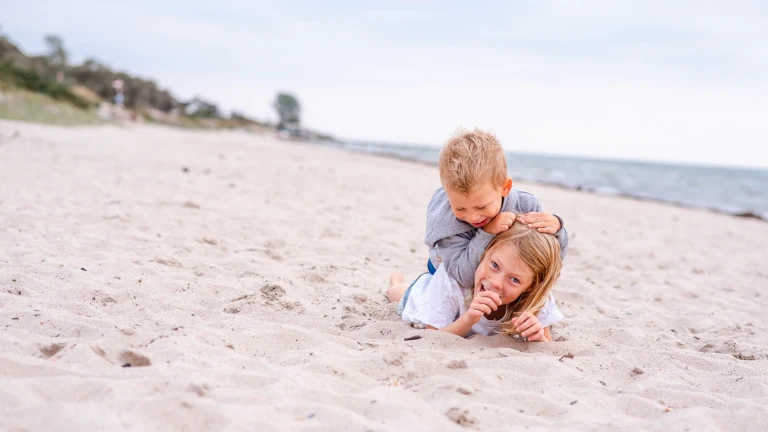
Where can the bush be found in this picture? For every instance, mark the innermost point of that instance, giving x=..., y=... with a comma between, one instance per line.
x=31, y=80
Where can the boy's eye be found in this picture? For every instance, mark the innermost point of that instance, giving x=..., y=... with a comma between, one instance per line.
x=480, y=208
x=494, y=265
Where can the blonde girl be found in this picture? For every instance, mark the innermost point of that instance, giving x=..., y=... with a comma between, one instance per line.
x=512, y=284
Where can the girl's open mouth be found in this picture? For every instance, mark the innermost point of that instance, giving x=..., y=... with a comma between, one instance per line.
x=484, y=286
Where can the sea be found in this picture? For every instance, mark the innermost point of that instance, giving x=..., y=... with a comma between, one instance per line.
x=737, y=191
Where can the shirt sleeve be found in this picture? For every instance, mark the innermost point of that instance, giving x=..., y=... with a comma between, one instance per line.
x=434, y=304
x=428, y=315
x=461, y=255
x=562, y=238
x=550, y=314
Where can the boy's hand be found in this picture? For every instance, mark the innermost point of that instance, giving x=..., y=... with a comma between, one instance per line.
x=484, y=303
x=529, y=327
x=500, y=223
x=543, y=222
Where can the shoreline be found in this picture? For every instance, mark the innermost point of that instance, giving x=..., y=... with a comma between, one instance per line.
x=744, y=215
x=341, y=145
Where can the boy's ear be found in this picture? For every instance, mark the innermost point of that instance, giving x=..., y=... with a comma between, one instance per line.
x=507, y=187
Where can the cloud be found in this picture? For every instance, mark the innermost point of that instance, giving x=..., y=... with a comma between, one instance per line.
x=681, y=81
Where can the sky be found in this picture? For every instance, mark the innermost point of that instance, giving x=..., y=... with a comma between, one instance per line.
x=675, y=81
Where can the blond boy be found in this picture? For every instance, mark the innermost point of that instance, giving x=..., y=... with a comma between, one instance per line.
x=477, y=201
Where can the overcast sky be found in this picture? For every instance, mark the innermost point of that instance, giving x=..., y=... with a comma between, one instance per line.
x=682, y=81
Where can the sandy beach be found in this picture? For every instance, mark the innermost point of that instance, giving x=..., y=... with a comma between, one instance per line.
x=161, y=279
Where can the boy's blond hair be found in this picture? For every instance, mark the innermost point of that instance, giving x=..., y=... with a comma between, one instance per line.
x=470, y=158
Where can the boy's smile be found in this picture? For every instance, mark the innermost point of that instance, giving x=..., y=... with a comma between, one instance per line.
x=480, y=206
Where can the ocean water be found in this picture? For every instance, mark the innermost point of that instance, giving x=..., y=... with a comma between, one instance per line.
x=738, y=191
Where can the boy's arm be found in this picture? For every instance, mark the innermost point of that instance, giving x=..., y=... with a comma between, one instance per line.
x=562, y=238
x=461, y=255
x=530, y=204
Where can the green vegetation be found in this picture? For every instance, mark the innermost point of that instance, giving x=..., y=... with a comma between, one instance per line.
x=31, y=80
x=24, y=105
x=47, y=89
x=86, y=85
x=288, y=109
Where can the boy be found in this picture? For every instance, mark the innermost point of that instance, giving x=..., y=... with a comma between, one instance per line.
x=477, y=202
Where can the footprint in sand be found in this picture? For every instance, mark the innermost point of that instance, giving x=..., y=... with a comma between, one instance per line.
x=394, y=359
x=314, y=277
x=199, y=390
x=133, y=359
x=274, y=244
x=274, y=256
x=461, y=417
x=272, y=249
x=170, y=262
x=351, y=324
x=457, y=364
x=52, y=349
x=273, y=296
x=272, y=291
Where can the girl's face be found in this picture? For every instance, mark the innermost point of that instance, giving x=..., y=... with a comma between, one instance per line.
x=503, y=272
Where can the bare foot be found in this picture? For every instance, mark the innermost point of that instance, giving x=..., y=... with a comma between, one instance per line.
x=395, y=279
x=396, y=288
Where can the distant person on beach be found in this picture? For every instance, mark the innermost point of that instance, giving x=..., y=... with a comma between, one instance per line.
x=119, y=97
x=476, y=203
x=512, y=285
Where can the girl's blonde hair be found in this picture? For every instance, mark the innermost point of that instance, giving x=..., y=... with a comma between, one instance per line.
x=539, y=251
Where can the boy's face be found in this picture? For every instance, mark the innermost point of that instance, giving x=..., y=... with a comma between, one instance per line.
x=478, y=207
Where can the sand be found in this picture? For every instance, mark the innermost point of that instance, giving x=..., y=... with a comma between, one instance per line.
x=161, y=279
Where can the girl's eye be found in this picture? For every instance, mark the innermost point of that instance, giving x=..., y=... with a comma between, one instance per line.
x=515, y=280
x=494, y=265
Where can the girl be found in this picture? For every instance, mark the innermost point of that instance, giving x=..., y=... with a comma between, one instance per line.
x=512, y=284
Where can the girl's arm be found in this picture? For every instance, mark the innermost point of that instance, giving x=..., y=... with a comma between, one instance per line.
x=460, y=327
x=547, y=335
x=528, y=326
x=483, y=303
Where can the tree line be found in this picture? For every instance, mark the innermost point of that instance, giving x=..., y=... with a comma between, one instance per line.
x=53, y=75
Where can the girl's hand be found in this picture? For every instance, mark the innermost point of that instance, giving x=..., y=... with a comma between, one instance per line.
x=529, y=327
x=484, y=303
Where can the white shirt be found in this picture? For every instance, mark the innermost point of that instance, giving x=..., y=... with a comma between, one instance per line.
x=437, y=300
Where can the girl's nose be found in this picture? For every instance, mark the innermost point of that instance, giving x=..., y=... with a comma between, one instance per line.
x=498, y=284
